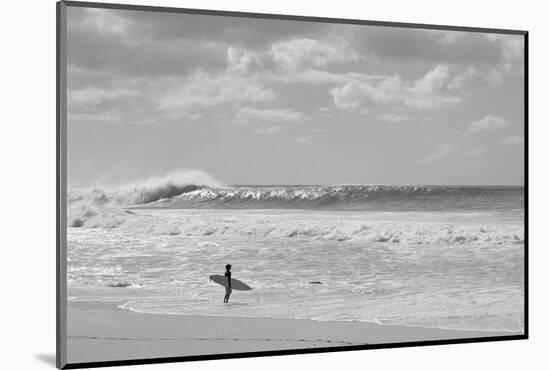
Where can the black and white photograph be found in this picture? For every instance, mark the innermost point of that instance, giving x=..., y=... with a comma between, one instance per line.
x=244, y=184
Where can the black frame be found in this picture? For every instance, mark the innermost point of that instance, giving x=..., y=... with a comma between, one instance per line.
x=61, y=193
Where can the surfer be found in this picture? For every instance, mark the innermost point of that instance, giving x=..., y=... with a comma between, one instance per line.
x=228, y=288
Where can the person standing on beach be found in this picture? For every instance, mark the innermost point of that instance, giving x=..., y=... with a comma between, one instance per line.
x=228, y=288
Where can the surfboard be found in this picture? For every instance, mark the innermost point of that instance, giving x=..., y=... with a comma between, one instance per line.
x=235, y=284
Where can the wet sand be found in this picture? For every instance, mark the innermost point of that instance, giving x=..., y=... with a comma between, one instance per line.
x=103, y=332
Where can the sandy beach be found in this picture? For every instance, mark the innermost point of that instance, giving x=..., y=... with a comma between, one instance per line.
x=103, y=332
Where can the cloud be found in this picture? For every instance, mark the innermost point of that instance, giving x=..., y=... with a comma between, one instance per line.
x=96, y=96
x=163, y=44
x=249, y=32
x=392, y=117
x=433, y=82
x=481, y=58
x=476, y=151
x=431, y=101
x=303, y=140
x=293, y=39
x=318, y=130
x=405, y=45
x=512, y=57
x=428, y=92
x=113, y=118
x=127, y=100
x=110, y=41
x=450, y=37
x=513, y=140
x=443, y=151
x=443, y=85
x=301, y=53
x=269, y=130
x=510, y=62
x=253, y=115
x=124, y=104
x=240, y=60
x=182, y=64
x=295, y=59
x=207, y=90
x=489, y=122
x=103, y=22
x=467, y=78
x=356, y=92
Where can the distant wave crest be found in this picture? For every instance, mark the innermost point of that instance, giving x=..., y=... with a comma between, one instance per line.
x=106, y=206
x=196, y=190
x=347, y=197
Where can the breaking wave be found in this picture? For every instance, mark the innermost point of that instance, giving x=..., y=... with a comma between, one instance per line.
x=348, y=197
x=108, y=206
x=324, y=229
x=189, y=189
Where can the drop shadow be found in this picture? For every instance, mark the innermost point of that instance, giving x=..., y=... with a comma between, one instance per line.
x=47, y=358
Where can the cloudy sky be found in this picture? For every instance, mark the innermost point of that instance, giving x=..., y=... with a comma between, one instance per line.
x=256, y=101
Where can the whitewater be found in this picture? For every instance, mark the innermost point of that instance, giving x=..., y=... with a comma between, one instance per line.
x=434, y=256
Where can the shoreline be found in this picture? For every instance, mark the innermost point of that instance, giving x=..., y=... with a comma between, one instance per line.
x=119, y=307
x=99, y=331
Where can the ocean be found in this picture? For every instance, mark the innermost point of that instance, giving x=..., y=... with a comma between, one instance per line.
x=431, y=256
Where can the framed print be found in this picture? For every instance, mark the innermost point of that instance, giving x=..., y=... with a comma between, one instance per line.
x=236, y=184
